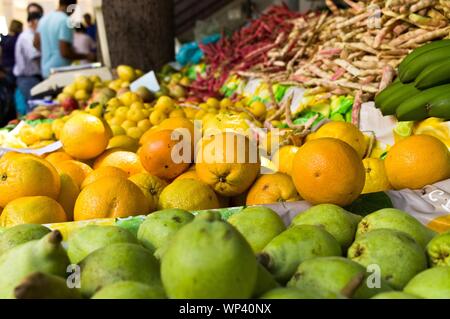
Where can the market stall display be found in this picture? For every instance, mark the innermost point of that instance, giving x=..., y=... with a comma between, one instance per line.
x=267, y=166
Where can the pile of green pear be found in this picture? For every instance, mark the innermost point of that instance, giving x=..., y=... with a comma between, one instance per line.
x=325, y=253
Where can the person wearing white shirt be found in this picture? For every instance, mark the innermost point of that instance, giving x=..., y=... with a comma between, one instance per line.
x=27, y=68
x=83, y=43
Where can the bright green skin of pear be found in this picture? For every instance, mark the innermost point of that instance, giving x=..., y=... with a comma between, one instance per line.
x=439, y=251
x=433, y=283
x=292, y=293
x=209, y=259
x=264, y=282
x=130, y=290
x=397, y=220
x=336, y=220
x=394, y=295
x=18, y=235
x=259, y=225
x=88, y=239
x=34, y=256
x=159, y=227
x=398, y=255
x=331, y=275
x=118, y=262
x=286, y=252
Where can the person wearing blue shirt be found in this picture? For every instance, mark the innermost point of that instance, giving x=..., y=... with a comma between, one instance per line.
x=91, y=28
x=54, y=38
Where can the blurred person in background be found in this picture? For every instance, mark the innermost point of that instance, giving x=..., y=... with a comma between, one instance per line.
x=8, y=45
x=27, y=69
x=35, y=8
x=54, y=38
x=91, y=28
x=83, y=43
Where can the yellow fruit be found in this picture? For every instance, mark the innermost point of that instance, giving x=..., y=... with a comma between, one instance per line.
x=151, y=186
x=85, y=136
x=123, y=142
x=434, y=127
x=173, y=124
x=102, y=172
x=114, y=103
x=228, y=162
x=136, y=115
x=129, y=98
x=28, y=135
x=32, y=210
x=271, y=189
x=58, y=157
x=226, y=103
x=126, y=73
x=345, y=132
x=192, y=174
x=82, y=95
x=70, y=89
x=165, y=104
x=137, y=106
x=95, y=79
x=62, y=97
x=135, y=133
x=68, y=195
x=157, y=117
x=144, y=125
x=177, y=113
x=126, y=161
x=44, y=131
x=57, y=127
x=83, y=83
x=376, y=177
x=214, y=103
x=258, y=109
x=284, y=158
x=77, y=170
x=26, y=175
x=328, y=171
x=122, y=112
x=111, y=197
x=128, y=124
x=190, y=112
x=418, y=161
x=118, y=130
x=190, y=195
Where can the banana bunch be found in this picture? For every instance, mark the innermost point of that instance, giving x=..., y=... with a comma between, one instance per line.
x=422, y=89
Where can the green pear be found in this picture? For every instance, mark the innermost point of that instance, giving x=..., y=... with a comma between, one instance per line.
x=45, y=255
x=209, y=258
x=287, y=251
x=336, y=275
x=259, y=225
x=264, y=282
x=397, y=220
x=159, y=227
x=433, y=283
x=292, y=293
x=88, y=239
x=44, y=286
x=118, y=262
x=130, y=290
x=18, y=235
x=397, y=254
x=394, y=295
x=336, y=220
x=439, y=250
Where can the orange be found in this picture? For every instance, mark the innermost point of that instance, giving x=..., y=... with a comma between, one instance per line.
x=68, y=195
x=26, y=175
x=32, y=210
x=111, y=197
x=77, y=170
x=191, y=174
x=85, y=136
x=171, y=124
x=345, y=132
x=58, y=157
x=102, y=172
x=418, y=161
x=151, y=186
x=228, y=162
x=159, y=155
x=128, y=162
x=271, y=189
x=284, y=158
x=328, y=171
x=376, y=177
